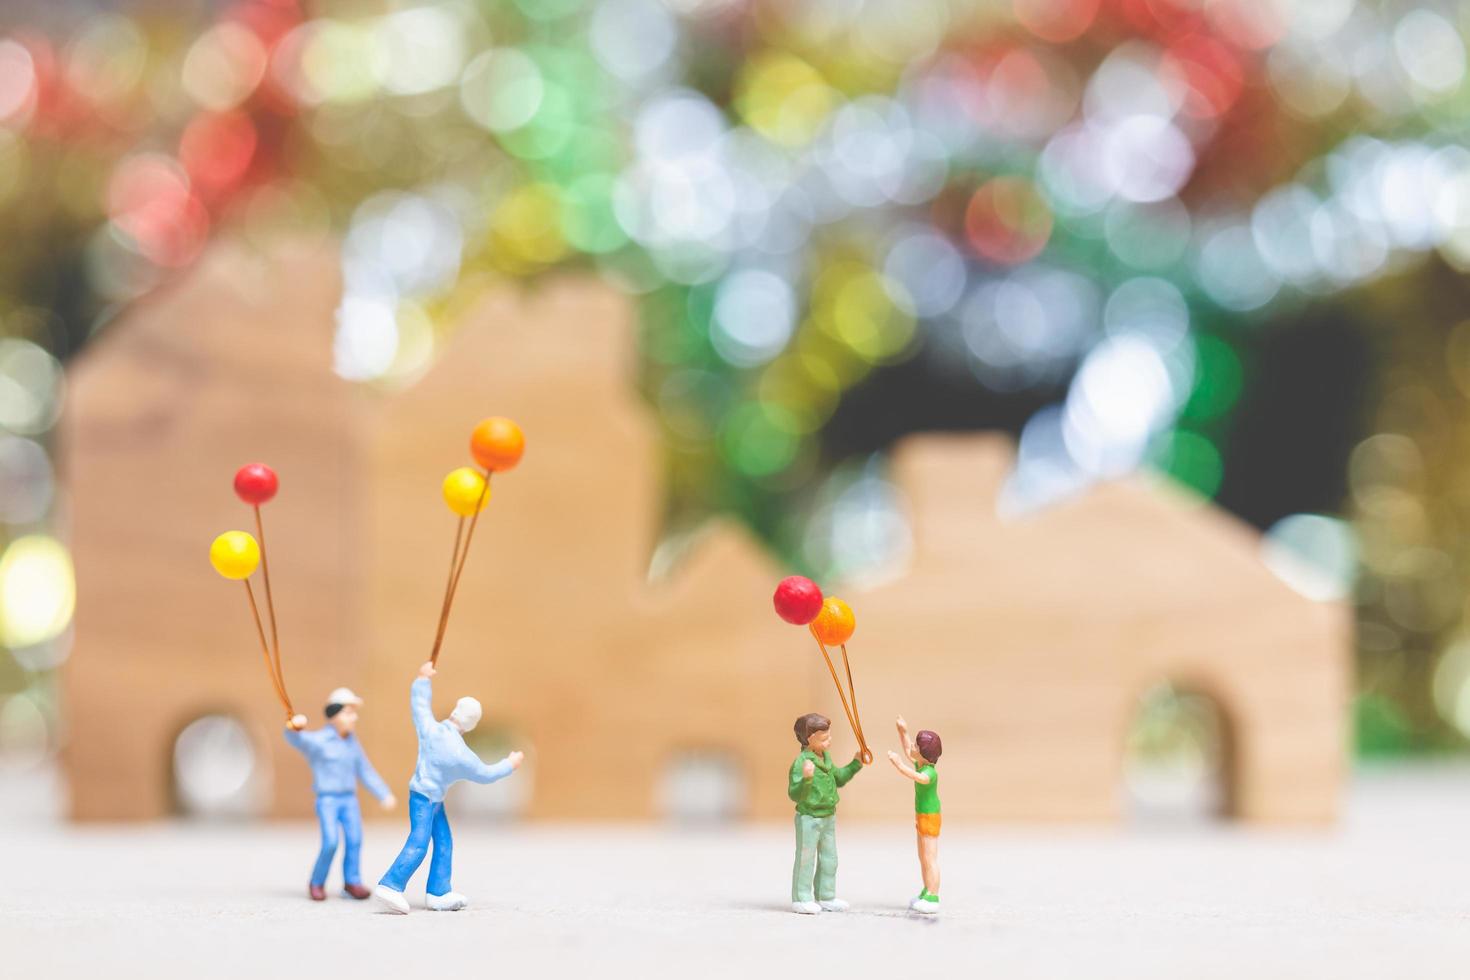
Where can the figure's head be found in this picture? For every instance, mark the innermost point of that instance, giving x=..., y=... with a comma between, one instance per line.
x=814, y=731
x=927, y=747
x=466, y=714
x=341, y=710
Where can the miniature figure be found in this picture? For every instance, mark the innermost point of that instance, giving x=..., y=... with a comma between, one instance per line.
x=337, y=762
x=443, y=760
x=923, y=751
x=813, y=788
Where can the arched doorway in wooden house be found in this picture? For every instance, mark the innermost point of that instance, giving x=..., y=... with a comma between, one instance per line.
x=1178, y=758
x=217, y=770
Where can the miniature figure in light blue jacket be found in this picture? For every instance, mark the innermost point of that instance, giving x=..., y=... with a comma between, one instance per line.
x=337, y=763
x=444, y=760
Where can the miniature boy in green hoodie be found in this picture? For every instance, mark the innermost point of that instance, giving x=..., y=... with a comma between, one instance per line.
x=813, y=788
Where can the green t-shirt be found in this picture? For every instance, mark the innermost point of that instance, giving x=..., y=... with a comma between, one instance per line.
x=926, y=795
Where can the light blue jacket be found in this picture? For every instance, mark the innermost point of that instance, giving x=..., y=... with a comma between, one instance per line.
x=444, y=759
x=337, y=763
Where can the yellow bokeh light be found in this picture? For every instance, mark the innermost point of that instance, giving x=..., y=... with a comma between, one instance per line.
x=851, y=303
x=339, y=62
x=825, y=357
x=526, y=229
x=786, y=382
x=37, y=591
x=783, y=98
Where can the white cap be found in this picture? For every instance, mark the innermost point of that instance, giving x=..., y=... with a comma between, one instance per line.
x=344, y=695
x=466, y=714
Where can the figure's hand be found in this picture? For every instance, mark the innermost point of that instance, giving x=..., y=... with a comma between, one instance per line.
x=427, y=670
x=894, y=758
x=808, y=769
x=858, y=758
x=388, y=802
x=296, y=723
x=903, y=726
x=515, y=759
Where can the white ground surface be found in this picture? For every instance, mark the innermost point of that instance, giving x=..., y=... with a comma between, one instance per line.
x=1384, y=895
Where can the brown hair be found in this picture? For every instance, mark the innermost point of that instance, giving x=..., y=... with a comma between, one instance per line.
x=929, y=746
x=807, y=724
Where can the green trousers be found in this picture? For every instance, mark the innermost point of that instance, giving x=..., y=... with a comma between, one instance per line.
x=816, y=856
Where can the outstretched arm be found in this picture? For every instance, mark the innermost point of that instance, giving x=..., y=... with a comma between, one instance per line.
x=904, y=769
x=842, y=775
x=491, y=773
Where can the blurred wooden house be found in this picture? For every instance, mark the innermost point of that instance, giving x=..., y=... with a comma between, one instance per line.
x=1025, y=643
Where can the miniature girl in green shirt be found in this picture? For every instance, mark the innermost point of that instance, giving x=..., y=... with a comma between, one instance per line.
x=924, y=751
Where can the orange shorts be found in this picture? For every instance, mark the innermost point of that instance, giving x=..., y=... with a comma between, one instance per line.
x=928, y=824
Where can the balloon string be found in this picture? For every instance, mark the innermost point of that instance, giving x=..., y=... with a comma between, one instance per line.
x=448, y=584
x=270, y=603
x=857, y=730
x=857, y=717
x=458, y=571
x=266, y=653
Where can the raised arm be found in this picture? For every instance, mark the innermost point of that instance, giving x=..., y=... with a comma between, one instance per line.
x=801, y=779
x=906, y=770
x=297, y=738
x=421, y=700
x=903, y=737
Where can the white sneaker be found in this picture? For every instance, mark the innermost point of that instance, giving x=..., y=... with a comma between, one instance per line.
x=806, y=908
x=448, y=902
x=833, y=905
x=391, y=900
x=925, y=906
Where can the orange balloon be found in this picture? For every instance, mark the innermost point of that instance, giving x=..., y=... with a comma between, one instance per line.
x=835, y=623
x=497, y=444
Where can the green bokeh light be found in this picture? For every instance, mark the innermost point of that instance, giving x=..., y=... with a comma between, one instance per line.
x=1218, y=380
x=760, y=439
x=587, y=215
x=1193, y=460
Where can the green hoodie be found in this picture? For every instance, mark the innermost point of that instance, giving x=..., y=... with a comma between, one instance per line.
x=817, y=797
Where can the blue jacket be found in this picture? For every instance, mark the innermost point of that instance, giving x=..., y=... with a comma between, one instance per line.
x=444, y=759
x=337, y=763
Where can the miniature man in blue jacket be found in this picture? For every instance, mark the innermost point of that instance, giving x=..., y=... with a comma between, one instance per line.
x=444, y=760
x=337, y=763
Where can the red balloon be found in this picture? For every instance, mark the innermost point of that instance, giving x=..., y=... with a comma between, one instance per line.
x=255, y=483
x=797, y=600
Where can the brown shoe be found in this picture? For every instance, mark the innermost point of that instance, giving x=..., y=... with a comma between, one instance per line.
x=358, y=892
x=317, y=892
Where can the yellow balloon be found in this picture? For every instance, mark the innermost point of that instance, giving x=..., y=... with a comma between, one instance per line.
x=234, y=554
x=462, y=488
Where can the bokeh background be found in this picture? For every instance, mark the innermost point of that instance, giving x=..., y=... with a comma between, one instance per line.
x=1221, y=239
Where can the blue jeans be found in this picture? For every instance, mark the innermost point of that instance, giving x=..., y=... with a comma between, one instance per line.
x=426, y=821
x=333, y=810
